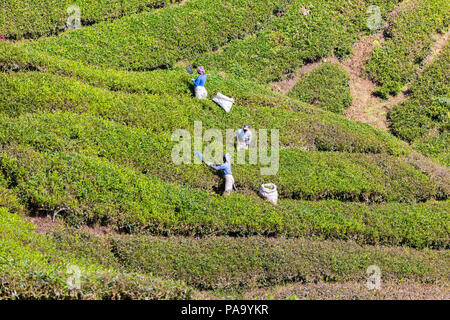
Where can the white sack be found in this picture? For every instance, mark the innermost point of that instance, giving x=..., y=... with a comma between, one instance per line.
x=269, y=192
x=225, y=102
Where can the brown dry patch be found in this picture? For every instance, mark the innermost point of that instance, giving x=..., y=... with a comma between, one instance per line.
x=46, y=225
x=406, y=5
x=99, y=230
x=441, y=40
x=354, y=290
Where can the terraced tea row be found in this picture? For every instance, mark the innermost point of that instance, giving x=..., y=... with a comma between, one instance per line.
x=34, y=268
x=93, y=190
x=305, y=31
x=159, y=39
x=35, y=18
x=301, y=175
x=224, y=263
x=308, y=128
x=117, y=267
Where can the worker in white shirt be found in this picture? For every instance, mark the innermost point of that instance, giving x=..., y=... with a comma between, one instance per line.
x=243, y=138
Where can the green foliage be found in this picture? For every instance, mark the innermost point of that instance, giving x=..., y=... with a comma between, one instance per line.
x=302, y=175
x=409, y=41
x=424, y=118
x=436, y=146
x=36, y=18
x=327, y=86
x=315, y=130
x=86, y=140
x=346, y=177
x=242, y=263
x=160, y=38
x=294, y=38
x=31, y=267
x=92, y=190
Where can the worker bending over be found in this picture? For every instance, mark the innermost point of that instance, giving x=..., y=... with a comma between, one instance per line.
x=243, y=137
x=199, y=84
x=225, y=167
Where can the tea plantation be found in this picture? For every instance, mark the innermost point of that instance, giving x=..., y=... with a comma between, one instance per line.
x=87, y=122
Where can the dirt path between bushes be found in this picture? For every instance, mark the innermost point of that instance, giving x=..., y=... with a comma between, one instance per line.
x=365, y=107
x=47, y=224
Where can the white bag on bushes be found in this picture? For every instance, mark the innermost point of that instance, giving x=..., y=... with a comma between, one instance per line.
x=225, y=102
x=269, y=192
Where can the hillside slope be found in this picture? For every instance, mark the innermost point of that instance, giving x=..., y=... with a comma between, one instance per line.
x=87, y=119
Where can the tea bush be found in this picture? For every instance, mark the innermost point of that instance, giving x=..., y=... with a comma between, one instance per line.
x=85, y=137
x=294, y=38
x=307, y=127
x=302, y=175
x=286, y=39
x=409, y=39
x=424, y=118
x=159, y=39
x=436, y=146
x=31, y=267
x=218, y=263
x=36, y=18
x=93, y=190
x=327, y=86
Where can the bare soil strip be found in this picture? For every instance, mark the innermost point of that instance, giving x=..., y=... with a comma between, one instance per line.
x=354, y=290
x=46, y=225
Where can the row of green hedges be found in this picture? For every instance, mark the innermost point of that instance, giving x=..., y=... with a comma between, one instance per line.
x=327, y=86
x=423, y=119
x=309, y=128
x=241, y=263
x=18, y=59
x=160, y=38
x=294, y=38
x=14, y=59
x=32, y=267
x=409, y=39
x=301, y=175
x=35, y=18
x=94, y=191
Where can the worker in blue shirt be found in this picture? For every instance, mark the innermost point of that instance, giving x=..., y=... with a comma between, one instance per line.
x=199, y=84
x=225, y=167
